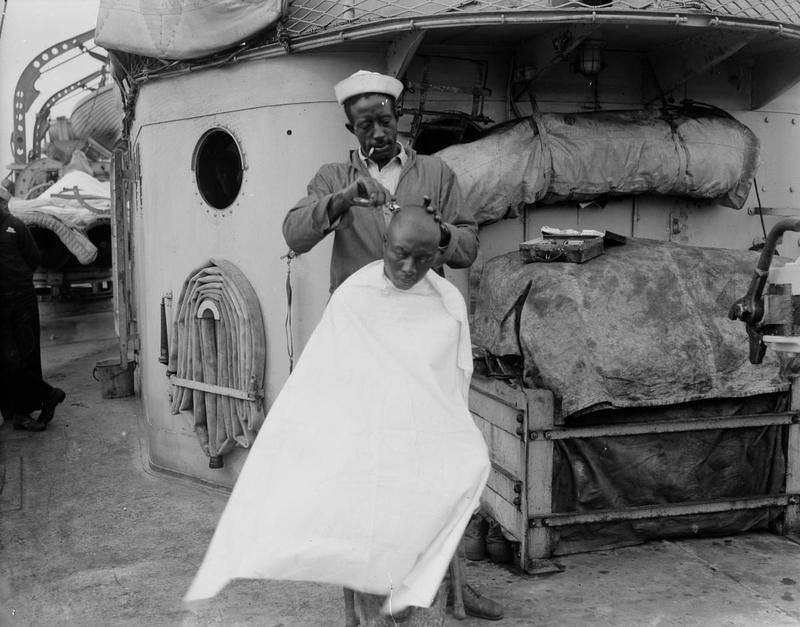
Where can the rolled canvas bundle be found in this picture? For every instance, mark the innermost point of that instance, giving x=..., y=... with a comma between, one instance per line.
x=181, y=29
x=558, y=157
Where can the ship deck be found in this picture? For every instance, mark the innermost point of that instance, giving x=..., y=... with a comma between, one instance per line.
x=90, y=535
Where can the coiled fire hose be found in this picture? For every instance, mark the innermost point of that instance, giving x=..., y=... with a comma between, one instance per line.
x=217, y=360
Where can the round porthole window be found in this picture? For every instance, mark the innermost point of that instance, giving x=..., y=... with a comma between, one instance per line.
x=218, y=168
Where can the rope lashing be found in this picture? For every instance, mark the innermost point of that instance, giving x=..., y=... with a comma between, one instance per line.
x=288, y=321
x=217, y=360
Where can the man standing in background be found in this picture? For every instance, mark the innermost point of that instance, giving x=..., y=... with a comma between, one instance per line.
x=22, y=389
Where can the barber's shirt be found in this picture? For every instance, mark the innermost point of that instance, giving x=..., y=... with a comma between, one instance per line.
x=388, y=175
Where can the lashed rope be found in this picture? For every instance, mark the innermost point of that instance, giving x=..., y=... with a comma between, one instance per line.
x=219, y=341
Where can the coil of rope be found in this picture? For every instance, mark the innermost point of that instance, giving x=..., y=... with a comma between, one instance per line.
x=217, y=361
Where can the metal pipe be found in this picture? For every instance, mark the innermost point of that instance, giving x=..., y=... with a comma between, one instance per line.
x=750, y=308
x=678, y=426
x=663, y=511
x=783, y=212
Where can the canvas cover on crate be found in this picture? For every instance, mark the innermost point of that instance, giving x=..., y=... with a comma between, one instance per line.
x=557, y=157
x=640, y=334
x=181, y=29
x=603, y=473
x=644, y=324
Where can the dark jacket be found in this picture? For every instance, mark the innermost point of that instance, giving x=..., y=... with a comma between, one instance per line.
x=19, y=255
x=358, y=237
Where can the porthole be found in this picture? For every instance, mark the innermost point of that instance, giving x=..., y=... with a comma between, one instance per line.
x=217, y=165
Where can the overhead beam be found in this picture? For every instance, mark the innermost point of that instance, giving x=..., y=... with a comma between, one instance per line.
x=401, y=51
x=774, y=75
x=694, y=56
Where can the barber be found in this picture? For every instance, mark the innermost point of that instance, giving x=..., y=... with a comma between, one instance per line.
x=354, y=199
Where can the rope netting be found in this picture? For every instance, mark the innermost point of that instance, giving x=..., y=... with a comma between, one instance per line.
x=310, y=16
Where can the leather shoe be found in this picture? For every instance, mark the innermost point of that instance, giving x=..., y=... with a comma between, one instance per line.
x=24, y=422
x=480, y=606
x=49, y=405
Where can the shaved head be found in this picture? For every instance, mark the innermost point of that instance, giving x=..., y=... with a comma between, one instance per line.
x=410, y=246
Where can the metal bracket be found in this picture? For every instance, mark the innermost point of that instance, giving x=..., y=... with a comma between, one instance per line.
x=668, y=426
x=663, y=510
x=401, y=51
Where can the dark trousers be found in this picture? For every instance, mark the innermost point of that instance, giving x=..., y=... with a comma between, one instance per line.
x=22, y=389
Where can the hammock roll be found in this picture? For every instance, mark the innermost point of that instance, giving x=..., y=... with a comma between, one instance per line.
x=217, y=360
x=73, y=239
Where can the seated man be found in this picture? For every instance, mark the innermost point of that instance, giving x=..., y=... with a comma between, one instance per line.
x=368, y=466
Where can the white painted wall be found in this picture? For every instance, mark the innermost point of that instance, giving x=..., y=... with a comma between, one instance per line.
x=288, y=123
x=261, y=101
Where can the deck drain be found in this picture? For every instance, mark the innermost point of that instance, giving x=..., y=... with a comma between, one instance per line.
x=11, y=485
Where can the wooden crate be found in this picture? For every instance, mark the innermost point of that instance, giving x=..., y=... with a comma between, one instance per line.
x=520, y=482
x=520, y=429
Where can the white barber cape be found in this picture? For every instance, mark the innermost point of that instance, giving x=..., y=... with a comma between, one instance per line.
x=368, y=466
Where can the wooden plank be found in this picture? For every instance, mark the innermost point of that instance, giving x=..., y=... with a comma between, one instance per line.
x=541, y=408
x=484, y=426
x=506, y=486
x=505, y=514
x=539, y=479
x=509, y=419
x=511, y=395
x=507, y=451
x=497, y=408
x=508, y=455
x=211, y=388
x=791, y=521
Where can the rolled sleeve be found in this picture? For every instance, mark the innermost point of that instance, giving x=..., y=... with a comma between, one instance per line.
x=307, y=222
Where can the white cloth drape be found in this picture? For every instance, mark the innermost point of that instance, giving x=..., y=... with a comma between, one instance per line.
x=368, y=466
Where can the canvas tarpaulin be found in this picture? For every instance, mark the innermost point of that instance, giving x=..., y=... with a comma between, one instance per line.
x=628, y=471
x=641, y=334
x=368, y=466
x=556, y=157
x=181, y=29
x=644, y=324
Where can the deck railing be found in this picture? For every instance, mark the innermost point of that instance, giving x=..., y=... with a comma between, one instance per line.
x=308, y=17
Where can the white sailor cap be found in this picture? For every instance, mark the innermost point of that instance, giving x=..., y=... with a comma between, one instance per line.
x=363, y=82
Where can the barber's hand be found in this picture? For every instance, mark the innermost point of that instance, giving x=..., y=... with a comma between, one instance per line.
x=367, y=192
x=437, y=217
